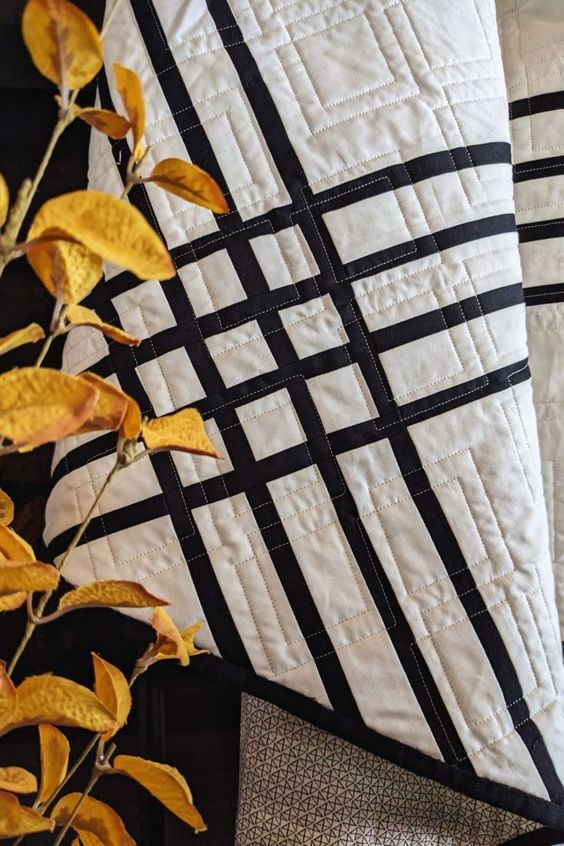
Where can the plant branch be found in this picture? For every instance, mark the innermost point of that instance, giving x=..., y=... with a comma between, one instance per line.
x=38, y=612
x=109, y=19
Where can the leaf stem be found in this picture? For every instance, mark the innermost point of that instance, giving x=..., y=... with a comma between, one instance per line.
x=38, y=612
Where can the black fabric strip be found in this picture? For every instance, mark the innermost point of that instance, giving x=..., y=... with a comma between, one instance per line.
x=538, y=169
x=541, y=294
x=541, y=231
x=537, y=104
x=540, y=837
x=500, y=795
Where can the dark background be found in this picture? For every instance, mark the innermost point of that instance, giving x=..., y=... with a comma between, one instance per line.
x=178, y=717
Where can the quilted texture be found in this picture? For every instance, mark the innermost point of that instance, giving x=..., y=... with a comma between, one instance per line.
x=372, y=552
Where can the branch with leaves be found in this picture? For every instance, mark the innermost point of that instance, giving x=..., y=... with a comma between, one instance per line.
x=67, y=242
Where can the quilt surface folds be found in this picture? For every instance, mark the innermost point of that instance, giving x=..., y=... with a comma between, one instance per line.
x=372, y=552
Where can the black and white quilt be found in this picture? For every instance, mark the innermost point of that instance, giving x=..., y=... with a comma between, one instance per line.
x=380, y=550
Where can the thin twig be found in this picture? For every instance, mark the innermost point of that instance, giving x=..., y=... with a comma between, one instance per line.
x=109, y=19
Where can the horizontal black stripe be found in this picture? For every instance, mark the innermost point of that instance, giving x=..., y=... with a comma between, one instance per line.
x=541, y=294
x=538, y=168
x=541, y=231
x=537, y=104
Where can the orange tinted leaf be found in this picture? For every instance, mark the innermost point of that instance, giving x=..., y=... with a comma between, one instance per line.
x=42, y=405
x=63, y=42
x=12, y=601
x=111, y=688
x=28, y=335
x=54, y=752
x=27, y=576
x=168, y=632
x=111, y=593
x=130, y=90
x=189, y=182
x=132, y=422
x=110, y=408
x=52, y=699
x=167, y=649
x=8, y=695
x=14, y=547
x=94, y=817
x=4, y=200
x=17, y=780
x=184, y=430
x=109, y=227
x=15, y=819
x=80, y=316
x=6, y=509
x=166, y=784
x=67, y=269
x=110, y=123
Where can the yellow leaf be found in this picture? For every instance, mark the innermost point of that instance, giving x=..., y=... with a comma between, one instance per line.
x=42, y=405
x=111, y=593
x=110, y=123
x=52, y=699
x=110, y=408
x=94, y=817
x=15, y=819
x=17, y=780
x=132, y=422
x=12, y=601
x=184, y=430
x=167, y=649
x=63, y=42
x=8, y=695
x=29, y=335
x=130, y=90
x=80, y=316
x=4, y=200
x=111, y=688
x=6, y=509
x=168, y=632
x=109, y=227
x=14, y=547
x=27, y=576
x=54, y=752
x=67, y=269
x=189, y=182
x=88, y=839
x=166, y=784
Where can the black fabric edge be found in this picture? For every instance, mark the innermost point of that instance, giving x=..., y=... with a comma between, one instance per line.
x=550, y=814
x=540, y=837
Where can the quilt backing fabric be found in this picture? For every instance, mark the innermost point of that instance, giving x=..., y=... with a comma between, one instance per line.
x=373, y=551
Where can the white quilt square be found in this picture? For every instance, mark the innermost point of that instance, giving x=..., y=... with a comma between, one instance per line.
x=285, y=257
x=342, y=398
x=271, y=424
x=212, y=283
x=314, y=326
x=144, y=310
x=241, y=353
x=170, y=381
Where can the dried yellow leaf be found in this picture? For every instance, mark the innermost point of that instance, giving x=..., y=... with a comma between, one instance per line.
x=190, y=183
x=166, y=784
x=109, y=227
x=16, y=820
x=63, y=42
x=67, y=269
x=111, y=688
x=167, y=649
x=111, y=124
x=27, y=576
x=110, y=408
x=130, y=90
x=6, y=509
x=12, y=601
x=184, y=430
x=111, y=593
x=132, y=422
x=169, y=634
x=54, y=751
x=8, y=695
x=88, y=839
x=52, y=699
x=93, y=817
x=17, y=780
x=14, y=547
x=42, y=405
x=28, y=335
x=81, y=316
x=4, y=200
